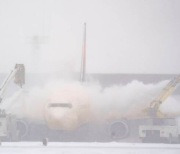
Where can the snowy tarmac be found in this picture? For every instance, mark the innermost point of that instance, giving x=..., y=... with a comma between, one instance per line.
x=88, y=148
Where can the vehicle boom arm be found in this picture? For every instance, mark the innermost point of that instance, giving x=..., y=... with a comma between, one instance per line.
x=166, y=92
x=18, y=74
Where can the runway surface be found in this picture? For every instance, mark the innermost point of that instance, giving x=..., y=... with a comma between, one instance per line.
x=88, y=148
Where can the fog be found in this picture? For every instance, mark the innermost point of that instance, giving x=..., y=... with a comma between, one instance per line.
x=122, y=37
x=90, y=102
x=132, y=36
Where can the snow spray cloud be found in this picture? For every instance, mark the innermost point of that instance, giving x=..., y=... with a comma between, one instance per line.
x=90, y=102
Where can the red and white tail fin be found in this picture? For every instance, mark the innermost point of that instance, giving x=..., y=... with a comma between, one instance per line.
x=83, y=60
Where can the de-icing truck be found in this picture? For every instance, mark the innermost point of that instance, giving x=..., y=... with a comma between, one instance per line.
x=160, y=127
x=9, y=123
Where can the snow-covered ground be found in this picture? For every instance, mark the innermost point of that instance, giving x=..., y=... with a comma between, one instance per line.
x=88, y=148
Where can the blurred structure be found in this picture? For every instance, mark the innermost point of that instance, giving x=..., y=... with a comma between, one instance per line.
x=9, y=123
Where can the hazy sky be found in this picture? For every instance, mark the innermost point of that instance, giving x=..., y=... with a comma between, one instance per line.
x=123, y=36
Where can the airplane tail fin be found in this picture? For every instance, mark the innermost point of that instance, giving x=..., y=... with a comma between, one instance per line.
x=83, y=60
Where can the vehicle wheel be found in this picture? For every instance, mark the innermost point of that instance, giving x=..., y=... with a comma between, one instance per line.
x=170, y=139
x=145, y=140
x=45, y=141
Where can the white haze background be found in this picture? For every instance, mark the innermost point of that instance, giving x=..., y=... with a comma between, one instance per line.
x=123, y=36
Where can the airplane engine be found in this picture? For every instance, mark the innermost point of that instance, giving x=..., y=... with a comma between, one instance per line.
x=119, y=130
x=22, y=127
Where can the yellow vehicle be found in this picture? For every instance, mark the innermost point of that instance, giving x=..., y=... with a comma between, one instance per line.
x=161, y=128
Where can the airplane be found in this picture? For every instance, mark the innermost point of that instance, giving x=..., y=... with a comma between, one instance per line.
x=73, y=108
